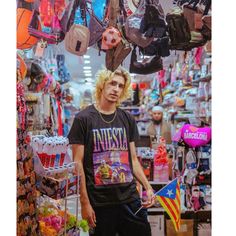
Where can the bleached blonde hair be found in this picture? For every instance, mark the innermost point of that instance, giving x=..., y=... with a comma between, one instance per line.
x=105, y=75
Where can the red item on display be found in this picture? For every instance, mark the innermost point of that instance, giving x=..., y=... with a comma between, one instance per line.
x=142, y=85
x=46, y=12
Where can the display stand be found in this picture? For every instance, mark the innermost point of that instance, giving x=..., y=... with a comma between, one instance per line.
x=68, y=188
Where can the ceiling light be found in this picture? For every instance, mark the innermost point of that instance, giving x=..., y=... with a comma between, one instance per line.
x=87, y=67
x=86, y=61
x=87, y=75
x=86, y=56
x=87, y=71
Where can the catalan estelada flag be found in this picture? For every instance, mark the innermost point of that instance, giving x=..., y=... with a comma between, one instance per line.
x=169, y=197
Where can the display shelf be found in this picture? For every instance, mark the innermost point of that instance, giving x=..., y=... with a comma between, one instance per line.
x=178, y=117
x=157, y=183
x=155, y=209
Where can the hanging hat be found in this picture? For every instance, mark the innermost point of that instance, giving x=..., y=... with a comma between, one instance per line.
x=157, y=108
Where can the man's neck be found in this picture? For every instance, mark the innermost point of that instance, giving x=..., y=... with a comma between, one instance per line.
x=106, y=107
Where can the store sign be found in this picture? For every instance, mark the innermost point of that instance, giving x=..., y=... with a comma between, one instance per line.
x=196, y=137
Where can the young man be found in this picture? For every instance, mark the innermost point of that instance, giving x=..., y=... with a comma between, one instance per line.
x=102, y=138
x=158, y=126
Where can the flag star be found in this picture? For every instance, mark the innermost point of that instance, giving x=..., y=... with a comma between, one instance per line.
x=169, y=192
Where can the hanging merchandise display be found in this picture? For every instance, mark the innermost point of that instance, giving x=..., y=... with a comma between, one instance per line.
x=166, y=47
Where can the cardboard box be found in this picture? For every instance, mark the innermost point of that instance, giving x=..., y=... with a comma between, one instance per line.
x=157, y=225
x=55, y=188
x=186, y=228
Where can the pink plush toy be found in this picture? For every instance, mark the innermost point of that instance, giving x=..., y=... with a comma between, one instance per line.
x=193, y=136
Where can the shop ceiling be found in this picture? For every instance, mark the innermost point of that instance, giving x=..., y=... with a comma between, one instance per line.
x=83, y=69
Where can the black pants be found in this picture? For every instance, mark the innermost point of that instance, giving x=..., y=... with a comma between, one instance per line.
x=121, y=221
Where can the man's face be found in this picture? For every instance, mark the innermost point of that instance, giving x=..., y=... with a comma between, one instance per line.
x=113, y=88
x=157, y=115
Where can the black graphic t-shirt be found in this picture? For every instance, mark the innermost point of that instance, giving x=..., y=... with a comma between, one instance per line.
x=107, y=160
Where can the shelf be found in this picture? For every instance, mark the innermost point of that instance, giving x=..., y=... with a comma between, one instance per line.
x=158, y=183
x=155, y=209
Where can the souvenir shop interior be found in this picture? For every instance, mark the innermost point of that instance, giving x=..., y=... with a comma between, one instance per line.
x=165, y=45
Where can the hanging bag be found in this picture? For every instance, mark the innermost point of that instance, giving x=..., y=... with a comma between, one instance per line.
x=153, y=23
x=144, y=68
x=77, y=38
x=158, y=47
x=178, y=28
x=132, y=27
x=96, y=27
x=115, y=56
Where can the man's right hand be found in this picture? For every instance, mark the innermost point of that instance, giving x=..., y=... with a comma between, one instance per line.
x=88, y=213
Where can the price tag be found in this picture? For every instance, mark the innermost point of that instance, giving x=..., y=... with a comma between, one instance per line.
x=41, y=45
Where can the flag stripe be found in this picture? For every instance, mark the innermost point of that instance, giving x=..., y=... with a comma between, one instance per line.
x=172, y=206
x=169, y=208
x=174, y=220
x=178, y=191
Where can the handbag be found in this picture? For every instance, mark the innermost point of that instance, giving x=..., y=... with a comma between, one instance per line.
x=77, y=39
x=78, y=36
x=144, y=68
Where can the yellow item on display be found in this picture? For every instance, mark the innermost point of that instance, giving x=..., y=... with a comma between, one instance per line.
x=179, y=102
x=165, y=92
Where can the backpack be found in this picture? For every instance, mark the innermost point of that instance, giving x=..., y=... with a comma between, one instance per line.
x=178, y=28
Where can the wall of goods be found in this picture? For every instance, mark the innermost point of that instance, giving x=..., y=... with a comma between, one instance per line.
x=47, y=102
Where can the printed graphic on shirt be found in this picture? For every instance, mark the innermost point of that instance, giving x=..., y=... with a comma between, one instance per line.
x=108, y=139
x=110, y=156
x=111, y=167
